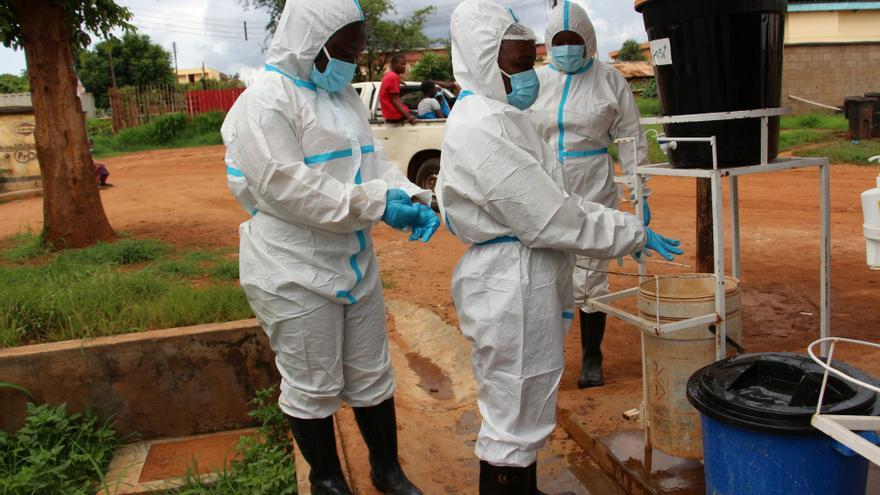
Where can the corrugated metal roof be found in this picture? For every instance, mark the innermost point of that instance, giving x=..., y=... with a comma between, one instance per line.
x=634, y=70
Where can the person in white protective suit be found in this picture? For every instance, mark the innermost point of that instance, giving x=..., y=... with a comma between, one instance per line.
x=301, y=158
x=502, y=190
x=583, y=107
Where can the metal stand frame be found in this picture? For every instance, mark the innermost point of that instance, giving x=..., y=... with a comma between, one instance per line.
x=843, y=428
x=716, y=175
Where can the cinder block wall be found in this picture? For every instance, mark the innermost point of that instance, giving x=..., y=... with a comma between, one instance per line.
x=827, y=73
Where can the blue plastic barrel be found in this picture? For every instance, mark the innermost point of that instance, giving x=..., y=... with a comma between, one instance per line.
x=757, y=438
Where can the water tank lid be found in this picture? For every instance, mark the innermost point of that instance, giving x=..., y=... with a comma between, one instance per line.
x=728, y=5
x=776, y=392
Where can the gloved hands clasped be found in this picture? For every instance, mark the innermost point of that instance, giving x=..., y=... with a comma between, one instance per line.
x=401, y=213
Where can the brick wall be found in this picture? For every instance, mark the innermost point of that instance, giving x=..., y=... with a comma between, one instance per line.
x=829, y=73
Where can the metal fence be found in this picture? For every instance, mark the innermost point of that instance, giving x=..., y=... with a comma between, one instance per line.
x=134, y=106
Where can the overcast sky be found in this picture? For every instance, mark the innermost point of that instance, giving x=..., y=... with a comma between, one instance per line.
x=211, y=31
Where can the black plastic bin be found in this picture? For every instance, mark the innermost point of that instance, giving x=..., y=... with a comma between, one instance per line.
x=721, y=56
x=876, y=132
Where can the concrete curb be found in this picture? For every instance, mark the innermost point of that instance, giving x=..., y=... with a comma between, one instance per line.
x=157, y=384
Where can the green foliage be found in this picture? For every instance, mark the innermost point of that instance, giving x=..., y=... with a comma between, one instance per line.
x=844, y=151
x=26, y=245
x=123, y=252
x=55, y=453
x=386, y=37
x=226, y=270
x=433, y=67
x=167, y=131
x=127, y=286
x=650, y=89
x=10, y=83
x=85, y=18
x=137, y=61
x=232, y=82
x=631, y=51
x=648, y=107
x=100, y=127
x=264, y=465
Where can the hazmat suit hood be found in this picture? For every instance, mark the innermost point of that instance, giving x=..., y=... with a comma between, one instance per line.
x=569, y=16
x=477, y=28
x=304, y=29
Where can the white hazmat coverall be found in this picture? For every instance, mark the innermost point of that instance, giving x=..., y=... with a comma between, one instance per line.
x=580, y=115
x=304, y=163
x=501, y=189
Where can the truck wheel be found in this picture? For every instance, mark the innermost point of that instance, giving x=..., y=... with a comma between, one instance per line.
x=426, y=177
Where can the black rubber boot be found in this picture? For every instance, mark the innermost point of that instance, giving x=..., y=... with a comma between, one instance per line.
x=316, y=440
x=378, y=425
x=533, y=482
x=592, y=333
x=498, y=480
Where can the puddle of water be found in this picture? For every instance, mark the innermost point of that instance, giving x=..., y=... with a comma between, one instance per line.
x=468, y=423
x=664, y=472
x=432, y=378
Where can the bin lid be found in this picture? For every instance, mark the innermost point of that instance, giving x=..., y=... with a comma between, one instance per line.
x=776, y=392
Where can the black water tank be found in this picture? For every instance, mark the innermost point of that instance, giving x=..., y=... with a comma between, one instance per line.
x=717, y=56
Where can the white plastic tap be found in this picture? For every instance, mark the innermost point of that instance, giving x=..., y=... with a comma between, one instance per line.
x=871, y=209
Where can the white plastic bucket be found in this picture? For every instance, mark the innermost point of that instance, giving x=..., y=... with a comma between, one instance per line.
x=673, y=358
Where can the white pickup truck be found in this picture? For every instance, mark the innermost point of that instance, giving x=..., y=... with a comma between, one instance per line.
x=414, y=148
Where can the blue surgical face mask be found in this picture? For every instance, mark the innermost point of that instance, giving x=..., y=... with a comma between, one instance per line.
x=569, y=58
x=336, y=76
x=526, y=87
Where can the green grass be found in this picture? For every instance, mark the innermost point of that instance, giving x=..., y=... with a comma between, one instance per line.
x=128, y=286
x=844, y=151
x=264, y=464
x=648, y=107
x=793, y=138
x=834, y=122
x=56, y=452
x=167, y=131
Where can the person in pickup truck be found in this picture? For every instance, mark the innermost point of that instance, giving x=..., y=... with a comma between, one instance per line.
x=393, y=110
x=302, y=160
x=584, y=105
x=433, y=104
x=502, y=190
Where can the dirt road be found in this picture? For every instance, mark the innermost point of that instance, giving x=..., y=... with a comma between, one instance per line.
x=180, y=196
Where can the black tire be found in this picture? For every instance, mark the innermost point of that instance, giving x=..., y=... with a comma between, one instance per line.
x=426, y=175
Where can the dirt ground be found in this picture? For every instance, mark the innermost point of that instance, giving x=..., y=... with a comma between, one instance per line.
x=180, y=196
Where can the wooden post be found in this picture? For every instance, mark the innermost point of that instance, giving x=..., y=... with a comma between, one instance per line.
x=705, y=240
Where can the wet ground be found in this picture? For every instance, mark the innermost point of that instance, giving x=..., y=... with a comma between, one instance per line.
x=180, y=196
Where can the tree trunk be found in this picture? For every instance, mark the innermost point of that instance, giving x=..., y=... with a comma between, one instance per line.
x=73, y=216
x=705, y=233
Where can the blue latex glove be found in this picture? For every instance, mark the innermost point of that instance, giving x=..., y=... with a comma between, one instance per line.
x=397, y=196
x=647, y=210
x=427, y=224
x=668, y=248
x=400, y=213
